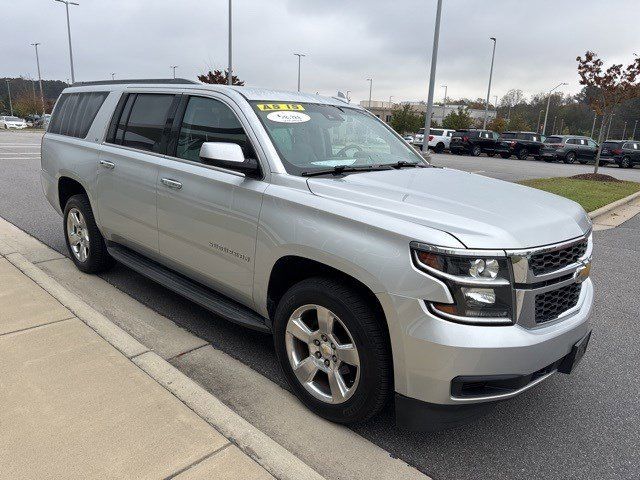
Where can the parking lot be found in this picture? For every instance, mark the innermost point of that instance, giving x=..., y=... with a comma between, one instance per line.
x=580, y=426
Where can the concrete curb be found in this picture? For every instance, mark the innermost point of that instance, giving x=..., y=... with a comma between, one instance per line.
x=274, y=458
x=613, y=205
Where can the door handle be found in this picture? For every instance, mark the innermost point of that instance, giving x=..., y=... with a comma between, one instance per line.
x=107, y=164
x=171, y=183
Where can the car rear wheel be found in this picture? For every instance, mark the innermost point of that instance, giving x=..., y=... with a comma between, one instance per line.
x=333, y=349
x=439, y=147
x=476, y=151
x=523, y=153
x=625, y=162
x=85, y=243
x=570, y=158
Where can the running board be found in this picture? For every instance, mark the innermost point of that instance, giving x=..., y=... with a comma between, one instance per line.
x=205, y=297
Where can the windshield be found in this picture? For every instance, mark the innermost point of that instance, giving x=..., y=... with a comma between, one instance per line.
x=310, y=137
x=13, y=119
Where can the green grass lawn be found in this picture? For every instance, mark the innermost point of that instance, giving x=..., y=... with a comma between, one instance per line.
x=591, y=194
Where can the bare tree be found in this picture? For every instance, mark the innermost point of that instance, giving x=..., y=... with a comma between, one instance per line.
x=610, y=87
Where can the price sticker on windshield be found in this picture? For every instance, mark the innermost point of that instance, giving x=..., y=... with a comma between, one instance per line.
x=288, y=117
x=272, y=107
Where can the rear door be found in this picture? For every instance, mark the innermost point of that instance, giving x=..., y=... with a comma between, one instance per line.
x=128, y=169
x=591, y=149
x=208, y=216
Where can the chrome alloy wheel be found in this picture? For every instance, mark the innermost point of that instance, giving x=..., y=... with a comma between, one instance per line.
x=322, y=354
x=78, y=234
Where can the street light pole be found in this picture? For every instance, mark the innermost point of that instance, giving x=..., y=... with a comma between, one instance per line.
x=113, y=76
x=561, y=125
x=39, y=76
x=67, y=3
x=609, y=128
x=538, y=124
x=299, y=55
x=174, y=69
x=544, y=127
x=624, y=130
x=10, y=104
x=230, y=74
x=432, y=78
x=370, y=80
x=593, y=127
x=633, y=135
x=553, y=128
x=444, y=102
x=486, y=107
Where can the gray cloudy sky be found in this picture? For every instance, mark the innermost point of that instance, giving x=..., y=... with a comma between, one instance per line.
x=345, y=41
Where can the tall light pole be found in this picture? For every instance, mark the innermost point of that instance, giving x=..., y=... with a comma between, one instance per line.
x=609, y=128
x=370, y=80
x=113, y=76
x=432, y=78
x=486, y=107
x=593, y=127
x=633, y=135
x=538, y=124
x=553, y=128
x=624, y=131
x=67, y=3
x=544, y=127
x=39, y=76
x=390, y=97
x=299, y=55
x=173, y=67
x=230, y=74
x=444, y=102
x=561, y=125
x=10, y=104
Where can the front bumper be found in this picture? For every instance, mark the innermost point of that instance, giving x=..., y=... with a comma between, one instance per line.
x=429, y=352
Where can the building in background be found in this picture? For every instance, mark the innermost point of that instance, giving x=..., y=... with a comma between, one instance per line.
x=384, y=110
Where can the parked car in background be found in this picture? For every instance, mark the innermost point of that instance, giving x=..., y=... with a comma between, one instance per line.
x=624, y=153
x=520, y=144
x=569, y=149
x=32, y=120
x=418, y=138
x=439, y=139
x=474, y=142
x=8, y=122
x=408, y=138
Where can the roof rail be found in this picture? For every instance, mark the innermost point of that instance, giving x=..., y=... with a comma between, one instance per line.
x=136, y=80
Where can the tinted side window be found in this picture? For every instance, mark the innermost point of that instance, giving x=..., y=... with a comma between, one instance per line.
x=572, y=141
x=147, y=121
x=75, y=112
x=437, y=133
x=209, y=120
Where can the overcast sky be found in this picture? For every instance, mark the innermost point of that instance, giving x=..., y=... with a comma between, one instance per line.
x=345, y=42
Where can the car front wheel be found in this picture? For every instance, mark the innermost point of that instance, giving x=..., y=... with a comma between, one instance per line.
x=523, y=154
x=333, y=349
x=625, y=162
x=570, y=158
x=476, y=151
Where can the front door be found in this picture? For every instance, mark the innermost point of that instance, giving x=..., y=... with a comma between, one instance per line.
x=128, y=172
x=208, y=217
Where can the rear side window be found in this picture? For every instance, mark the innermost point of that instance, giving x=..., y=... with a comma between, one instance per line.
x=75, y=112
x=553, y=140
x=437, y=133
x=508, y=135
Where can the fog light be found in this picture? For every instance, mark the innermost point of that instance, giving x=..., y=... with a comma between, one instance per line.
x=479, y=296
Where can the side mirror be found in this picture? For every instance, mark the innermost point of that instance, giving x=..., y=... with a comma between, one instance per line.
x=229, y=156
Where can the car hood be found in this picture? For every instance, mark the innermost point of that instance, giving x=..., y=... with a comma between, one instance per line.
x=479, y=211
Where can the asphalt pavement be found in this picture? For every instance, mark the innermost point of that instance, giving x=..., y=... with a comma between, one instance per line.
x=572, y=427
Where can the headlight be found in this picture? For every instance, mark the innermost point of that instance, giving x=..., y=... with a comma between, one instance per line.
x=480, y=285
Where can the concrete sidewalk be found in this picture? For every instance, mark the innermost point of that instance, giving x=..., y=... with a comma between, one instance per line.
x=73, y=406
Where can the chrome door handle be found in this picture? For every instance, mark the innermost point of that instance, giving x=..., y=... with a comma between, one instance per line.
x=107, y=164
x=171, y=183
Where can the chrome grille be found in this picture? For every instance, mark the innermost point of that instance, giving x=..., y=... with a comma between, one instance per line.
x=550, y=305
x=546, y=262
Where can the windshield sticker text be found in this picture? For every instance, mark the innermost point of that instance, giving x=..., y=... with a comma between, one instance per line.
x=288, y=117
x=268, y=107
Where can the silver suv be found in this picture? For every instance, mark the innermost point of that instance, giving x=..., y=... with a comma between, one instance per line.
x=308, y=218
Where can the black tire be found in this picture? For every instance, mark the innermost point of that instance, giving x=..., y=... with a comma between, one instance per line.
x=505, y=155
x=625, y=162
x=523, y=153
x=375, y=384
x=570, y=158
x=476, y=151
x=97, y=259
x=439, y=148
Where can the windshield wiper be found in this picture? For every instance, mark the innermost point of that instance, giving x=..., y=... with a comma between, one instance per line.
x=404, y=163
x=340, y=169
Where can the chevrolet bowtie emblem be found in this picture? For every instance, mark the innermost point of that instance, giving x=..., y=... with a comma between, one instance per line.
x=582, y=273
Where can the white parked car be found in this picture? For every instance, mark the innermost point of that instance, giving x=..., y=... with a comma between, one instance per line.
x=408, y=138
x=7, y=122
x=439, y=138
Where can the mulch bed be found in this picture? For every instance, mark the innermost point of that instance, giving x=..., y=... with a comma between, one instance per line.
x=599, y=177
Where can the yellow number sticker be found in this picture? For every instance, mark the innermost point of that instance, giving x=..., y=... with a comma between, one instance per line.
x=272, y=107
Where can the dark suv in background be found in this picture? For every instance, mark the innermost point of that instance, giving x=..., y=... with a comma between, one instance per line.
x=624, y=153
x=474, y=142
x=520, y=144
x=569, y=149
